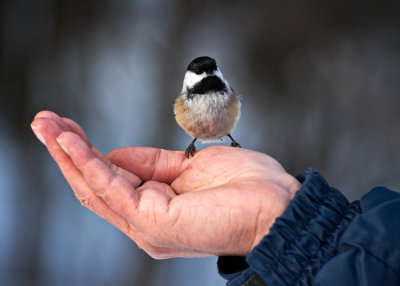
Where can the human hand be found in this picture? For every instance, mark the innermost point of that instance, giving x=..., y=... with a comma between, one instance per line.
x=222, y=201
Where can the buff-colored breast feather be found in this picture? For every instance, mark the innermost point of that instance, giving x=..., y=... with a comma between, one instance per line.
x=208, y=117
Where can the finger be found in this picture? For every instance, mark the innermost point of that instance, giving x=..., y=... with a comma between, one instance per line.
x=113, y=188
x=74, y=127
x=150, y=163
x=49, y=130
x=53, y=116
x=134, y=180
x=67, y=124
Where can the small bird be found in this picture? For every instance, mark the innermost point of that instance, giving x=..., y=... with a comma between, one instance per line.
x=207, y=108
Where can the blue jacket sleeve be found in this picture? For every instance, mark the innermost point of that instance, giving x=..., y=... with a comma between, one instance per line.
x=322, y=239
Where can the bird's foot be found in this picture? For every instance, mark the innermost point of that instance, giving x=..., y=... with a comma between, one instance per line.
x=234, y=143
x=190, y=149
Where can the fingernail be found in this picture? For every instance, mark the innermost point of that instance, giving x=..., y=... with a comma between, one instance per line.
x=38, y=135
x=62, y=145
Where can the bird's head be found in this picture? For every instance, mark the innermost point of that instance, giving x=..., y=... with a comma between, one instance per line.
x=203, y=76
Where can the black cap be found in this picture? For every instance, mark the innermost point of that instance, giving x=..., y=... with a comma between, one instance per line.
x=202, y=64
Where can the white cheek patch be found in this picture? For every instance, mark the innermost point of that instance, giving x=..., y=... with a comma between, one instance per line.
x=191, y=79
x=219, y=74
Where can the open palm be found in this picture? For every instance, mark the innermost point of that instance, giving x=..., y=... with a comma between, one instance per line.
x=220, y=202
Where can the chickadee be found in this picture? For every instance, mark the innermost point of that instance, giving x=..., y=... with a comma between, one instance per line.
x=207, y=108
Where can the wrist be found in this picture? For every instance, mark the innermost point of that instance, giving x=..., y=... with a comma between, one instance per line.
x=305, y=235
x=285, y=187
x=301, y=240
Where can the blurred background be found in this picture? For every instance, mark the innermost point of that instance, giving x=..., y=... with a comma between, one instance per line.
x=320, y=83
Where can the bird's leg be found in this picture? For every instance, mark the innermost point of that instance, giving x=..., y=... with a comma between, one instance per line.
x=190, y=149
x=234, y=143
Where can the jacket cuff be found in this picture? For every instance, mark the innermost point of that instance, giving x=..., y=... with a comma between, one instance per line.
x=302, y=239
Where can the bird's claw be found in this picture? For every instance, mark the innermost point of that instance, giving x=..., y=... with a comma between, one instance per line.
x=235, y=144
x=190, y=150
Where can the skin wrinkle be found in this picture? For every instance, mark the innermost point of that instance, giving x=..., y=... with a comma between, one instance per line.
x=190, y=216
x=174, y=212
x=212, y=180
x=156, y=159
x=118, y=182
x=169, y=164
x=176, y=185
x=160, y=250
x=175, y=221
x=256, y=238
x=134, y=180
x=90, y=165
x=209, y=180
x=286, y=183
x=262, y=223
x=241, y=238
x=244, y=236
x=231, y=239
x=112, y=183
x=205, y=240
x=144, y=203
x=154, y=172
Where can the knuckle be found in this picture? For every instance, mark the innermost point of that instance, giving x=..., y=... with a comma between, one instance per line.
x=84, y=198
x=86, y=201
x=156, y=254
